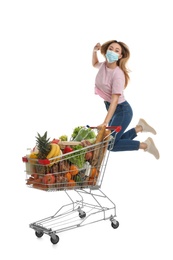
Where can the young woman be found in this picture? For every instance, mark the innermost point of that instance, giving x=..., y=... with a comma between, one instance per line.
x=111, y=80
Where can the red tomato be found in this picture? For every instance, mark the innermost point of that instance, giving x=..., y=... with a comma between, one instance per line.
x=67, y=149
x=55, y=141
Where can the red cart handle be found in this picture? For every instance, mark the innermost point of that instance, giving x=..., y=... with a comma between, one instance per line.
x=117, y=129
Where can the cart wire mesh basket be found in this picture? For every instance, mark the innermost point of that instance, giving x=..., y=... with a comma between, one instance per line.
x=80, y=170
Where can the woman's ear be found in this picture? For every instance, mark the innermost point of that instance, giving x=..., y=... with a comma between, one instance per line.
x=120, y=56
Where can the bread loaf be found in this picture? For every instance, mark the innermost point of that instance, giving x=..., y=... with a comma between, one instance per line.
x=98, y=150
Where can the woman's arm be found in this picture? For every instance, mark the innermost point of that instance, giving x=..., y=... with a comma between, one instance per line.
x=111, y=110
x=94, y=55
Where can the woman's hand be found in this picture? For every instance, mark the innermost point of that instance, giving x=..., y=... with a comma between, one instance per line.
x=100, y=126
x=97, y=47
x=111, y=110
x=94, y=54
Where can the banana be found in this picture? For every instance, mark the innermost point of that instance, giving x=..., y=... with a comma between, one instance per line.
x=52, y=151
x=58, y=152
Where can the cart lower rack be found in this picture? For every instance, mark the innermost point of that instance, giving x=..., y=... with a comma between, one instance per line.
x=80, y=176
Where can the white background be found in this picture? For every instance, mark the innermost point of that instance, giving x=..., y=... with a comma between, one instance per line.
x=47, y=84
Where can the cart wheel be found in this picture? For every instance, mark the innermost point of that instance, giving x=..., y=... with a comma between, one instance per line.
x=82, y=214
x=115, y=224
x=54, y=240
x=39, y=234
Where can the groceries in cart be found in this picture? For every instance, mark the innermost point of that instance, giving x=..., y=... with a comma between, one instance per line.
x=58, y=164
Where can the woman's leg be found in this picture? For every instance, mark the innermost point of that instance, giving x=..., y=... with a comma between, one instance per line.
x=124, y=140
x=142, y=126
x=122, y=117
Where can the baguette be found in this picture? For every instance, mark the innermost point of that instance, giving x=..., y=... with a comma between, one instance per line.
x=100, y=135
x=97, y=151
x=62, y=144
x=106, y=137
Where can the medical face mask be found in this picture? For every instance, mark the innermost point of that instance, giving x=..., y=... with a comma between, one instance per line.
x=111, y=56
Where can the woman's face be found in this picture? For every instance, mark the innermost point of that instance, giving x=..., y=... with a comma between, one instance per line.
x=116, y=48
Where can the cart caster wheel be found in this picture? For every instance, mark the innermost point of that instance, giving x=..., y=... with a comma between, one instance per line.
x=39, y=234
x=54, y=240
x=115, y=224
x=82, y=214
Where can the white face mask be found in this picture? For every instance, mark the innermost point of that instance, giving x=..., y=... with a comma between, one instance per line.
x=111, y=56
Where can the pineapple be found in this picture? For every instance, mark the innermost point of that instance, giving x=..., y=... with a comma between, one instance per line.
x=43, y=145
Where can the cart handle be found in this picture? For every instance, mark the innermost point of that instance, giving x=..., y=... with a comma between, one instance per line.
x=117, y=129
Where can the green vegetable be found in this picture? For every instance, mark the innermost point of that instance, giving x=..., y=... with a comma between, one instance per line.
x=63, y=137
x=78, y=179
x=91, y=134
x=92, y=140
x=75, y=132
x=83, y=133
x=78, y=158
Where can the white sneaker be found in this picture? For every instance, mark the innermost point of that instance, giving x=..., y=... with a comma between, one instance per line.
x=146, y=127
x=151, y=148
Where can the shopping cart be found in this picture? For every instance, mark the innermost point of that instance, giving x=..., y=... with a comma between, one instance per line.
x=80, y=176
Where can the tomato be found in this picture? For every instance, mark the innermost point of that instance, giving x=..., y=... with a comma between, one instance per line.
x=68, y=149
x=55, y=141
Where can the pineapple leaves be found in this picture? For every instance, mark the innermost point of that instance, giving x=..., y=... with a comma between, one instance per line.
x=43, y=145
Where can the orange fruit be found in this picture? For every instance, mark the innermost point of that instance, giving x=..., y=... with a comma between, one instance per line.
x=94, y=173
x=68, y=176
x=74, y=169
x=71, y=183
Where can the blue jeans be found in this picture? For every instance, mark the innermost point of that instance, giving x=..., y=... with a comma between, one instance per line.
x=122, y=117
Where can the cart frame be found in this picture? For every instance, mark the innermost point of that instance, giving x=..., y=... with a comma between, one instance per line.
x=91, y=206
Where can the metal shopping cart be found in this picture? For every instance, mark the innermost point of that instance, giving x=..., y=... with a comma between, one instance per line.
x=81, y=183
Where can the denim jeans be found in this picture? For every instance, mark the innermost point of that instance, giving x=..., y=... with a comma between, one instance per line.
x=122, y=117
